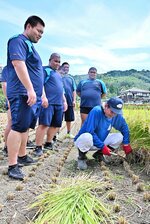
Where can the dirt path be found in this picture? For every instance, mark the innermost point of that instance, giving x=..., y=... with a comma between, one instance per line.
x=15, y=196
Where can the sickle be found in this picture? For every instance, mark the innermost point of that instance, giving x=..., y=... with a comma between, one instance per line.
x=116, y=154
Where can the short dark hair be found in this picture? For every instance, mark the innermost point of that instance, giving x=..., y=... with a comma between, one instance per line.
x=92, y=68
x=33, y=21
x=65, y=63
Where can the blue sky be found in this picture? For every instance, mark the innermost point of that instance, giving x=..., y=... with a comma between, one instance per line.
x=106, y=34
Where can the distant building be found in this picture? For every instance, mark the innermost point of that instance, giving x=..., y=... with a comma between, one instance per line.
x=135, y=95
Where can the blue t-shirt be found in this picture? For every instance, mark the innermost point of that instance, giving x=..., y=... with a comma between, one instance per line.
x=4, y=74
x=99, y=126
x=69, y=87
x=21, y=48
x=53, y=87
x=90, y=92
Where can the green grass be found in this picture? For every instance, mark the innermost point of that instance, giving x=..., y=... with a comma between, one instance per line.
x=117, y=177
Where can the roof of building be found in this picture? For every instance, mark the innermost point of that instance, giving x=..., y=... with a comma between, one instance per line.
x=135, y=90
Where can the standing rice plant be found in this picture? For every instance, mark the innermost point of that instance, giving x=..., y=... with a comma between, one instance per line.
x=139, y=125
x=75, y=201
x=139, y=135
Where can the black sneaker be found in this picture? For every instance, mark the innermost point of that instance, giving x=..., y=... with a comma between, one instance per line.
x=48, y=145
x=26, y=160
x=98, y=156
x=54, y=138
x=5, y=151
x=38, y=151
x=82, y=155
x=30, y=145
x=16, y=173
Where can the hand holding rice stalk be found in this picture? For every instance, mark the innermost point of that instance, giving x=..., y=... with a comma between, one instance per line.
x=118, y=155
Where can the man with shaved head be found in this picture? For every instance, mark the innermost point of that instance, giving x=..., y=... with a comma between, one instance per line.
x=51, y=117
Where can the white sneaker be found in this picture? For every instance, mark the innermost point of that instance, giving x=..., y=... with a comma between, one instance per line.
x=69, y=136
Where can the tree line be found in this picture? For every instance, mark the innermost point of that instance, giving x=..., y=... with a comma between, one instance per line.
x=117, y=81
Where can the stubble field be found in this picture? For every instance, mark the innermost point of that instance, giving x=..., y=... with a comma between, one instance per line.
x=130, y=190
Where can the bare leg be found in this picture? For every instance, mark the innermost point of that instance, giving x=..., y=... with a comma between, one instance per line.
x=13, y=143
x=50, y=133
x=8, y=127
x=83, y=118
x=40, y=133
x=22, y=150
x=68, y=124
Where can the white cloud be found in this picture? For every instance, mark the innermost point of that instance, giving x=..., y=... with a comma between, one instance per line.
x=102, y=58
x=87, y=33
x=18, y=16
x=12, y=14
x=130, y=37
x=76, y=61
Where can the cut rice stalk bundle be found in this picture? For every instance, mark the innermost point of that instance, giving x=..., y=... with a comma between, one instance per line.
x=73, y=202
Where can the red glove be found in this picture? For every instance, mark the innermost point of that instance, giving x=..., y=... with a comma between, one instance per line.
x=127, y=149
x=106, y=150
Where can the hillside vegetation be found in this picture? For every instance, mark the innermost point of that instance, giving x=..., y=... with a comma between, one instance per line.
x=122, y=80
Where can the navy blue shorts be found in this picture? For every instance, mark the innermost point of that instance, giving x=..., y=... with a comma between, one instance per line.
x=85, y=110
x=69, y=114
x=23, y=115
x=51, y=116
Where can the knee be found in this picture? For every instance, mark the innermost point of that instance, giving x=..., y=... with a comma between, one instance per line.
x=84, y=142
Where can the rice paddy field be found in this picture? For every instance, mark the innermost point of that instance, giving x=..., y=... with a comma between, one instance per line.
x=138, y=119
x=54, y=191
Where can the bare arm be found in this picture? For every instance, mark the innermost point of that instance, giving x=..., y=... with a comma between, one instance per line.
x=65, y=103
x=44, y=99
x=74, y=98
x=103, y=95
x=4, y=86
x=22, y=73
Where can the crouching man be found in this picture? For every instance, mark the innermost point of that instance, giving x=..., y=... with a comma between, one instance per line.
x=95, y=135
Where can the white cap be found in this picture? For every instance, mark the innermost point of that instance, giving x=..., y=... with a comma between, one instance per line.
x=84, y=142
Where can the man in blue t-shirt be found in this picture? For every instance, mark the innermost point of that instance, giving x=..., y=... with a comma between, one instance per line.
x=8, y=126
x=24, y=90
x=95, y=132
x=90, y=92
x=50, y=118
x=70, y=94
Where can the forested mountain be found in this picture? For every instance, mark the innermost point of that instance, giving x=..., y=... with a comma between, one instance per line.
x=122, y=80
